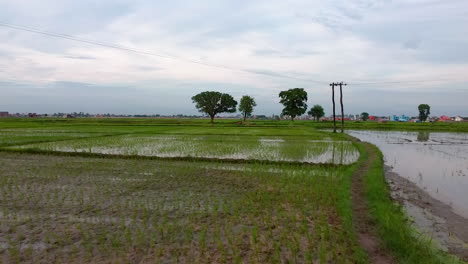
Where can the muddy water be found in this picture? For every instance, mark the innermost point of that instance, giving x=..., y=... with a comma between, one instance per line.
x=435, y=162
x=428, y=172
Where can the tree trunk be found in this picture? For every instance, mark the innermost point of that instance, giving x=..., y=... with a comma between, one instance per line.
x=245, y=116
x=212, y=119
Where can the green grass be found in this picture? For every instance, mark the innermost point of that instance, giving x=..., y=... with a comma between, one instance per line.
x=395, y=126
x=22, y=137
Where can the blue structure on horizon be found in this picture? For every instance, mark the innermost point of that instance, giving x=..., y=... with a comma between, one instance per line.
x=402, y=118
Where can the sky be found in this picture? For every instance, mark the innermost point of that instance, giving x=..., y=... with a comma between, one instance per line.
x=394, y=54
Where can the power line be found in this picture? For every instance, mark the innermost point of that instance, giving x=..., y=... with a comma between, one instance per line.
x=161, y=55
x=168, y=56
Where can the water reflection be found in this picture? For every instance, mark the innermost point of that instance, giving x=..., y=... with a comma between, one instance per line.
x=436, y=162
x=423, y=136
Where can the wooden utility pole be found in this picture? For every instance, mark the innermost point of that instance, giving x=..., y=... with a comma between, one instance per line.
x=333, y=100
x=341, y=102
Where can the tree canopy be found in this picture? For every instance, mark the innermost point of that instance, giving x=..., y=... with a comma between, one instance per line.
x=424, y=112
x=316, y=112
x=246, y=106
x=213, y=103
x=365, y=116
x=294, y=101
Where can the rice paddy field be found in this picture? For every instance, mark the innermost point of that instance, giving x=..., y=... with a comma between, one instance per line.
x=175, y=191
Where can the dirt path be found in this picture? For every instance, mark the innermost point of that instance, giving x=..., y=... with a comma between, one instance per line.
x=365, y=228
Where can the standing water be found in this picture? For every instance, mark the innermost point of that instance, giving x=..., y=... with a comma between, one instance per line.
x=436, y=164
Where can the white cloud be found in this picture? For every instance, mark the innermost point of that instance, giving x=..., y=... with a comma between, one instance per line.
x=354, y=41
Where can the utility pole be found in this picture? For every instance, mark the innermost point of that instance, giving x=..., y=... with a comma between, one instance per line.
x=341, y=102
x=333, y=100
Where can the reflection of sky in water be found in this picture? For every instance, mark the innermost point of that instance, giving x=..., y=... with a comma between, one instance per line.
x=436, y=162
x=219, y=147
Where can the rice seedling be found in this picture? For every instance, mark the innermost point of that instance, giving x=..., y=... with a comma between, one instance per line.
x=288, y=149
x=86, y=209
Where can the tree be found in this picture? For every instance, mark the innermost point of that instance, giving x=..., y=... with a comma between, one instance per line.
x=365, y=116
x=294, y=101
x=246, y=106
x=316, y=112
x=424, y=112
x=213, y=103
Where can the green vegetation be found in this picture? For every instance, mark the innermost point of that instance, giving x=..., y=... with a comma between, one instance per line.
x=365, y=116
x=424, y=112
x=213, y=103
x=294, y=101
x=57, y=208
x=82, y=190
x=298, y=149
x=395, y=126
x=246, y=106
x=316, y=112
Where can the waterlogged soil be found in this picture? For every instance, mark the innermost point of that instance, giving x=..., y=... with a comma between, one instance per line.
x=428, y=174
x=220, y=147
x=59, y=209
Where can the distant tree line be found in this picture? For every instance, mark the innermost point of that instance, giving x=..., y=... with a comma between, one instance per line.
x=294, y=101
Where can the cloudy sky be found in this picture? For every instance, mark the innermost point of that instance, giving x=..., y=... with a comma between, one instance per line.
x=394, y=54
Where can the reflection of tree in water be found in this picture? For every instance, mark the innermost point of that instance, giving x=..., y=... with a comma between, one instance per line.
x=423, y=136
x=342, y=152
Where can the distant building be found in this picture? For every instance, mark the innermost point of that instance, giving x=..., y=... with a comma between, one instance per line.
x=402, y=118
x=445, y=118
x=4, y=114
x=458, y=119
x=32, y=115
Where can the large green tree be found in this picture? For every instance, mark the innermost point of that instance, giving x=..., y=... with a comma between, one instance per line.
x=424, y=112
x=365, y=116
x=213, y=103
x=246, y=106
x=294, y=101
x=316, y=112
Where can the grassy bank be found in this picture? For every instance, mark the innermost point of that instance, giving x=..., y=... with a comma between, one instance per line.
x=393, y=126
x=143, y=125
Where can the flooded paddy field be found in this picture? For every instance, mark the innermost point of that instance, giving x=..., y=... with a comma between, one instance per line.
x=11, y=137
x=75, y=209
x=57, y=208
x=88, y=190
x=428, y=173
x=234, y=147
